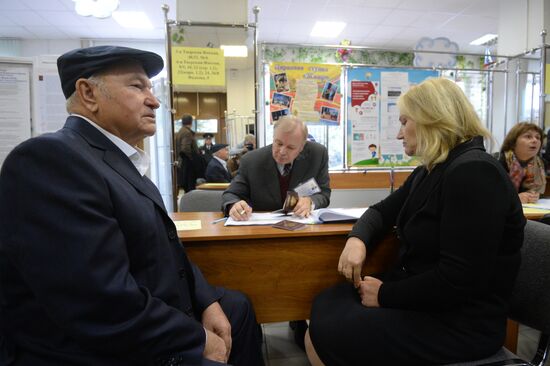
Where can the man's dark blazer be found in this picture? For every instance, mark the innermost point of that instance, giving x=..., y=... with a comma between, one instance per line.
x=257, y=181
x=216, y=173
x=91, y=268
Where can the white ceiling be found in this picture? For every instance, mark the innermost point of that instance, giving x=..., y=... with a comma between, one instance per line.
x=392, y=24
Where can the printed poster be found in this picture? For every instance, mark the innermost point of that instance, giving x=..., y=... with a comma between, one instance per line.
x=309, y=91
x=373, y=116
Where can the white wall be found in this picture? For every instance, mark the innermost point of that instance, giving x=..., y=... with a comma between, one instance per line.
x=240, y=91
x=520, y=24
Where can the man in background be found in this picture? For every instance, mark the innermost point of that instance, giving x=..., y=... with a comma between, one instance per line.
x=206, y=149
x=216, y=171
x=266, y=174
x=92, y=271
x=190, y=161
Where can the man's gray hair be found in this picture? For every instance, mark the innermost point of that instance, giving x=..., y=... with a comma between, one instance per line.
x=289, y=123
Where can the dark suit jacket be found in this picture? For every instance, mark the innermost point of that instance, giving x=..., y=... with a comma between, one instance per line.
x=257, y=180
x=91, y=268
x=460, y=229
x=216, y=173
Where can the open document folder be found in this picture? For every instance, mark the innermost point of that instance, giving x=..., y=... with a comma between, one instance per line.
x=317, y=217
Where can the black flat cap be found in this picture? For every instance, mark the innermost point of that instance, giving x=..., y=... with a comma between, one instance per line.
x=84, y=62
x=207, y=135
x=218, y=147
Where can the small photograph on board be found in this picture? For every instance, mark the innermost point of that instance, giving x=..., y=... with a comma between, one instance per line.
x=281, y=82
x=278, y=114
x=281, y=99
x=329, y=91
x=329, y=114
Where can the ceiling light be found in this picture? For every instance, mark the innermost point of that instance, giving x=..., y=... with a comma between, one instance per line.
x=95, y=8
x=132, y=19
x=234, y=51
x=484, y=39
x=327, y=29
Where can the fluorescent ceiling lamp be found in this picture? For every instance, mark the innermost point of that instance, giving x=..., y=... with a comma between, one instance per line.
x=234, y=51
x=132, y=19
x=327, y=29
x=96, y=8
x=484, y=39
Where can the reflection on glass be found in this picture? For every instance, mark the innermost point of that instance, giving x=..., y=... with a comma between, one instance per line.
x=207, y=125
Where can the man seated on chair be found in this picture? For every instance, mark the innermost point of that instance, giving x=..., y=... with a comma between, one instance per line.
x=216, y=171
x=92, y=269
x=265, y=175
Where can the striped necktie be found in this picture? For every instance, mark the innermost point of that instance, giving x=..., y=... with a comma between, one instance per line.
x=286, y=169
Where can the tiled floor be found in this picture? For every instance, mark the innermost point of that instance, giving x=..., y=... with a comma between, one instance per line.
x=279, y=347
x=280, y=350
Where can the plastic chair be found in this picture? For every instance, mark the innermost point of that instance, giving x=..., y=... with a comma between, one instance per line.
x=530, y=303
x=200, y=200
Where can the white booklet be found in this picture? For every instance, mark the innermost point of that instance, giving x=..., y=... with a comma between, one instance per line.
x=317, y=217
x=337, y=214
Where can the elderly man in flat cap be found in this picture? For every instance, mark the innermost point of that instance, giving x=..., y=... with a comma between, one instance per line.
x=91, y=268
x=216, y=171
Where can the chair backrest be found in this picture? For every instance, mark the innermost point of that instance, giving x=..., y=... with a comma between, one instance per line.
x=200, y=200
x=530, y=303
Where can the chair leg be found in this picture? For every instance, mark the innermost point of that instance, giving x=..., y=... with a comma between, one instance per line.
x=543, y=350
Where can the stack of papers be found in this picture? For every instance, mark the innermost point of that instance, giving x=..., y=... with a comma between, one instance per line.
x=543, y=203
x=317, y=217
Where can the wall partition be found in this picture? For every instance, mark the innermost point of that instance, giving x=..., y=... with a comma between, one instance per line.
x=351, y=107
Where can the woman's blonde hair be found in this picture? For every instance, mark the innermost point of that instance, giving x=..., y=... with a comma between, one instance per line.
x=444, y=119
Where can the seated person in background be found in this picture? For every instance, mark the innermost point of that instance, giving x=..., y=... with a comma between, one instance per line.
x=249, y=142
x=460, y=225
x=266, y=174
x=234, y=162
x=520, y=156
x=92, y=269
x=216, y=171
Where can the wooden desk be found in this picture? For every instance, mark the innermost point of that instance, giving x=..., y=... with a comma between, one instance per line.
x=213, y=186
x=534, y=213
x=281, y=271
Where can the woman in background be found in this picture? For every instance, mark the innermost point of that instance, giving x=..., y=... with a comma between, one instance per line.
x=520, y=156
x=460, y=227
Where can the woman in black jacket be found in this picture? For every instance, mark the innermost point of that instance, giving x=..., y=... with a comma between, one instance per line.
x=460, y=226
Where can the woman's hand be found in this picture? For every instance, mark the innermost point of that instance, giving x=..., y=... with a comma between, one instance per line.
x=529, y=197
x=368, y=290
x=352, y=259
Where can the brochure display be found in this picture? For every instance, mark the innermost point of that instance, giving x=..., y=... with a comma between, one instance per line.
x=309, y=91
x=373, y=116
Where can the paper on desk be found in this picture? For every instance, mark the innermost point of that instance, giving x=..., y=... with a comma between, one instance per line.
x=183, y=225
x=317, y=217
x=267, y=218
x=543, y=203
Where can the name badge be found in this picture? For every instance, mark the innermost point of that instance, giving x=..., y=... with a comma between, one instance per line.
x=307, y=188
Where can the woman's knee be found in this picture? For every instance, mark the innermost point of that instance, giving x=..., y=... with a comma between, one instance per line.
x=310, y=351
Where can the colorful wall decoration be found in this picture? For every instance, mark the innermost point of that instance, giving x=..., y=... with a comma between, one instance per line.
x=309, y=91
x=373, y=117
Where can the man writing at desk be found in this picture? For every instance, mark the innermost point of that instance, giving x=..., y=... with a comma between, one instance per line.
x=91, y=268
x=266, y=174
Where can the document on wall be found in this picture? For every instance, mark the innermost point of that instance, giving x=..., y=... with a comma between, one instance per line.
x=15, y=111
x=393, y=85
x=304, y=102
